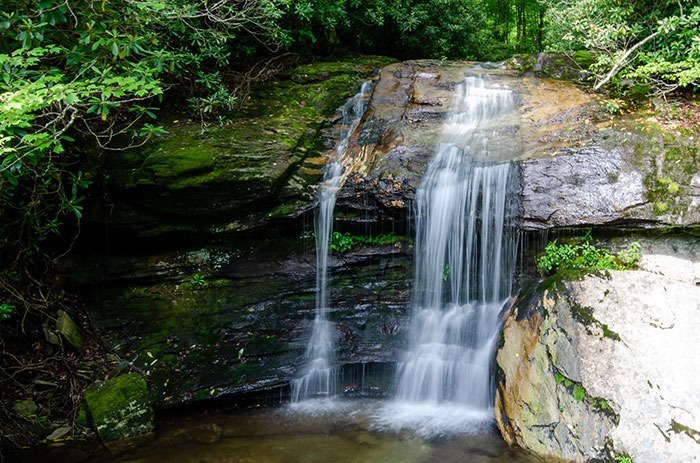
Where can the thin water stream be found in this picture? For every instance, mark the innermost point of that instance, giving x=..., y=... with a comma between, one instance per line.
x=318, y=377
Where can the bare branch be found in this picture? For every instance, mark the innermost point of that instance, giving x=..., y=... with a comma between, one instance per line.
x=622, y=62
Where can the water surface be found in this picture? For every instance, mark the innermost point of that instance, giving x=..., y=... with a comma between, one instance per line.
x=310, y=432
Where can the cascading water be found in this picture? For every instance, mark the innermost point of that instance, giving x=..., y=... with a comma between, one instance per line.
x=318, y=379
x=465, y=254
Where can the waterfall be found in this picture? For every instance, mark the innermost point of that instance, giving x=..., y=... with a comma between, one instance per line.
x=465, y=252
x=318, y=379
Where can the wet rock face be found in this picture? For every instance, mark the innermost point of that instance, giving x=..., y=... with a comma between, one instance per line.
x=586, y=186
x=264, y=164
x=391, y=148
x=604, y=366
x=228, y=322
x=619, y=178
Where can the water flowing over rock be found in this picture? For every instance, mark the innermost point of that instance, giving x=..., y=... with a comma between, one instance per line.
x=319, y=377
x=605, y=365
x=464, y=252
x=197, y=252
x=581, y=166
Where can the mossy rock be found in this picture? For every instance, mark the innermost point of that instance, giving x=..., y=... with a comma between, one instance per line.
x=69, y=330
x=567, y=66
x=121, y=412
x=253, y=166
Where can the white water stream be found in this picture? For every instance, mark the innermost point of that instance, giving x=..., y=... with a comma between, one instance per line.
x=318, y=378
x=465, y=253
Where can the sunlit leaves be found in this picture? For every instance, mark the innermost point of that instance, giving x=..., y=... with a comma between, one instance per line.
x=669, y=61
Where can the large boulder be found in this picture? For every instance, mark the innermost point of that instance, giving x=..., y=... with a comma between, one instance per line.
x=606, y=365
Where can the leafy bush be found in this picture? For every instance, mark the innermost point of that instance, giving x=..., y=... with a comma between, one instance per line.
x=585, y=256
x=655, y=43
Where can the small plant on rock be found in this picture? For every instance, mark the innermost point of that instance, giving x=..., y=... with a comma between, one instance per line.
x=198, y=281
x=585, y=256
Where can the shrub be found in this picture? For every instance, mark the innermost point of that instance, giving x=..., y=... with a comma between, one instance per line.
x=585, y=256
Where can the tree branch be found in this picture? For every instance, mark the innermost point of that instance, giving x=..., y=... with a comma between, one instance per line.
x=622, y=62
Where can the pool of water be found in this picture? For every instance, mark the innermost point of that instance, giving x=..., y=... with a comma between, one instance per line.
x=314, y=432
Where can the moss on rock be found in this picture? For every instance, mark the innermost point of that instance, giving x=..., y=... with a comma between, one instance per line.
x=121, y=411
x=251, y=165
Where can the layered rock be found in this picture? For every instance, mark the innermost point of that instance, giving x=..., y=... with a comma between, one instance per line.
x=207, y=273
x=606, y=365
x=619, y=179
x=204, y=180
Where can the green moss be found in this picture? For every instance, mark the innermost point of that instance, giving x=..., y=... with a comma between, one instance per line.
x=670, y=162
x=584, y=58
x=285, y=209
x=660, y=207
x=343, y=242
x=584, y=315
x=120, y=407
x=247, y=163
x=608, y=333
x=82, y=418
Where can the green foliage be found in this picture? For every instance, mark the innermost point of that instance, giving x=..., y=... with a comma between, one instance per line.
x=623, y=459
x=198, y=281
x=579, y=393
x=94, y=73
x=585, y=256
x=343, y=242
x=445, y=273
x=602, y=404
x=559, y=378
x=445, y=29
x=657, y=43
x=6, y=311
x=612, y=107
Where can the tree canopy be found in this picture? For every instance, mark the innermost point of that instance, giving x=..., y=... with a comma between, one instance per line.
x=654, y=42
